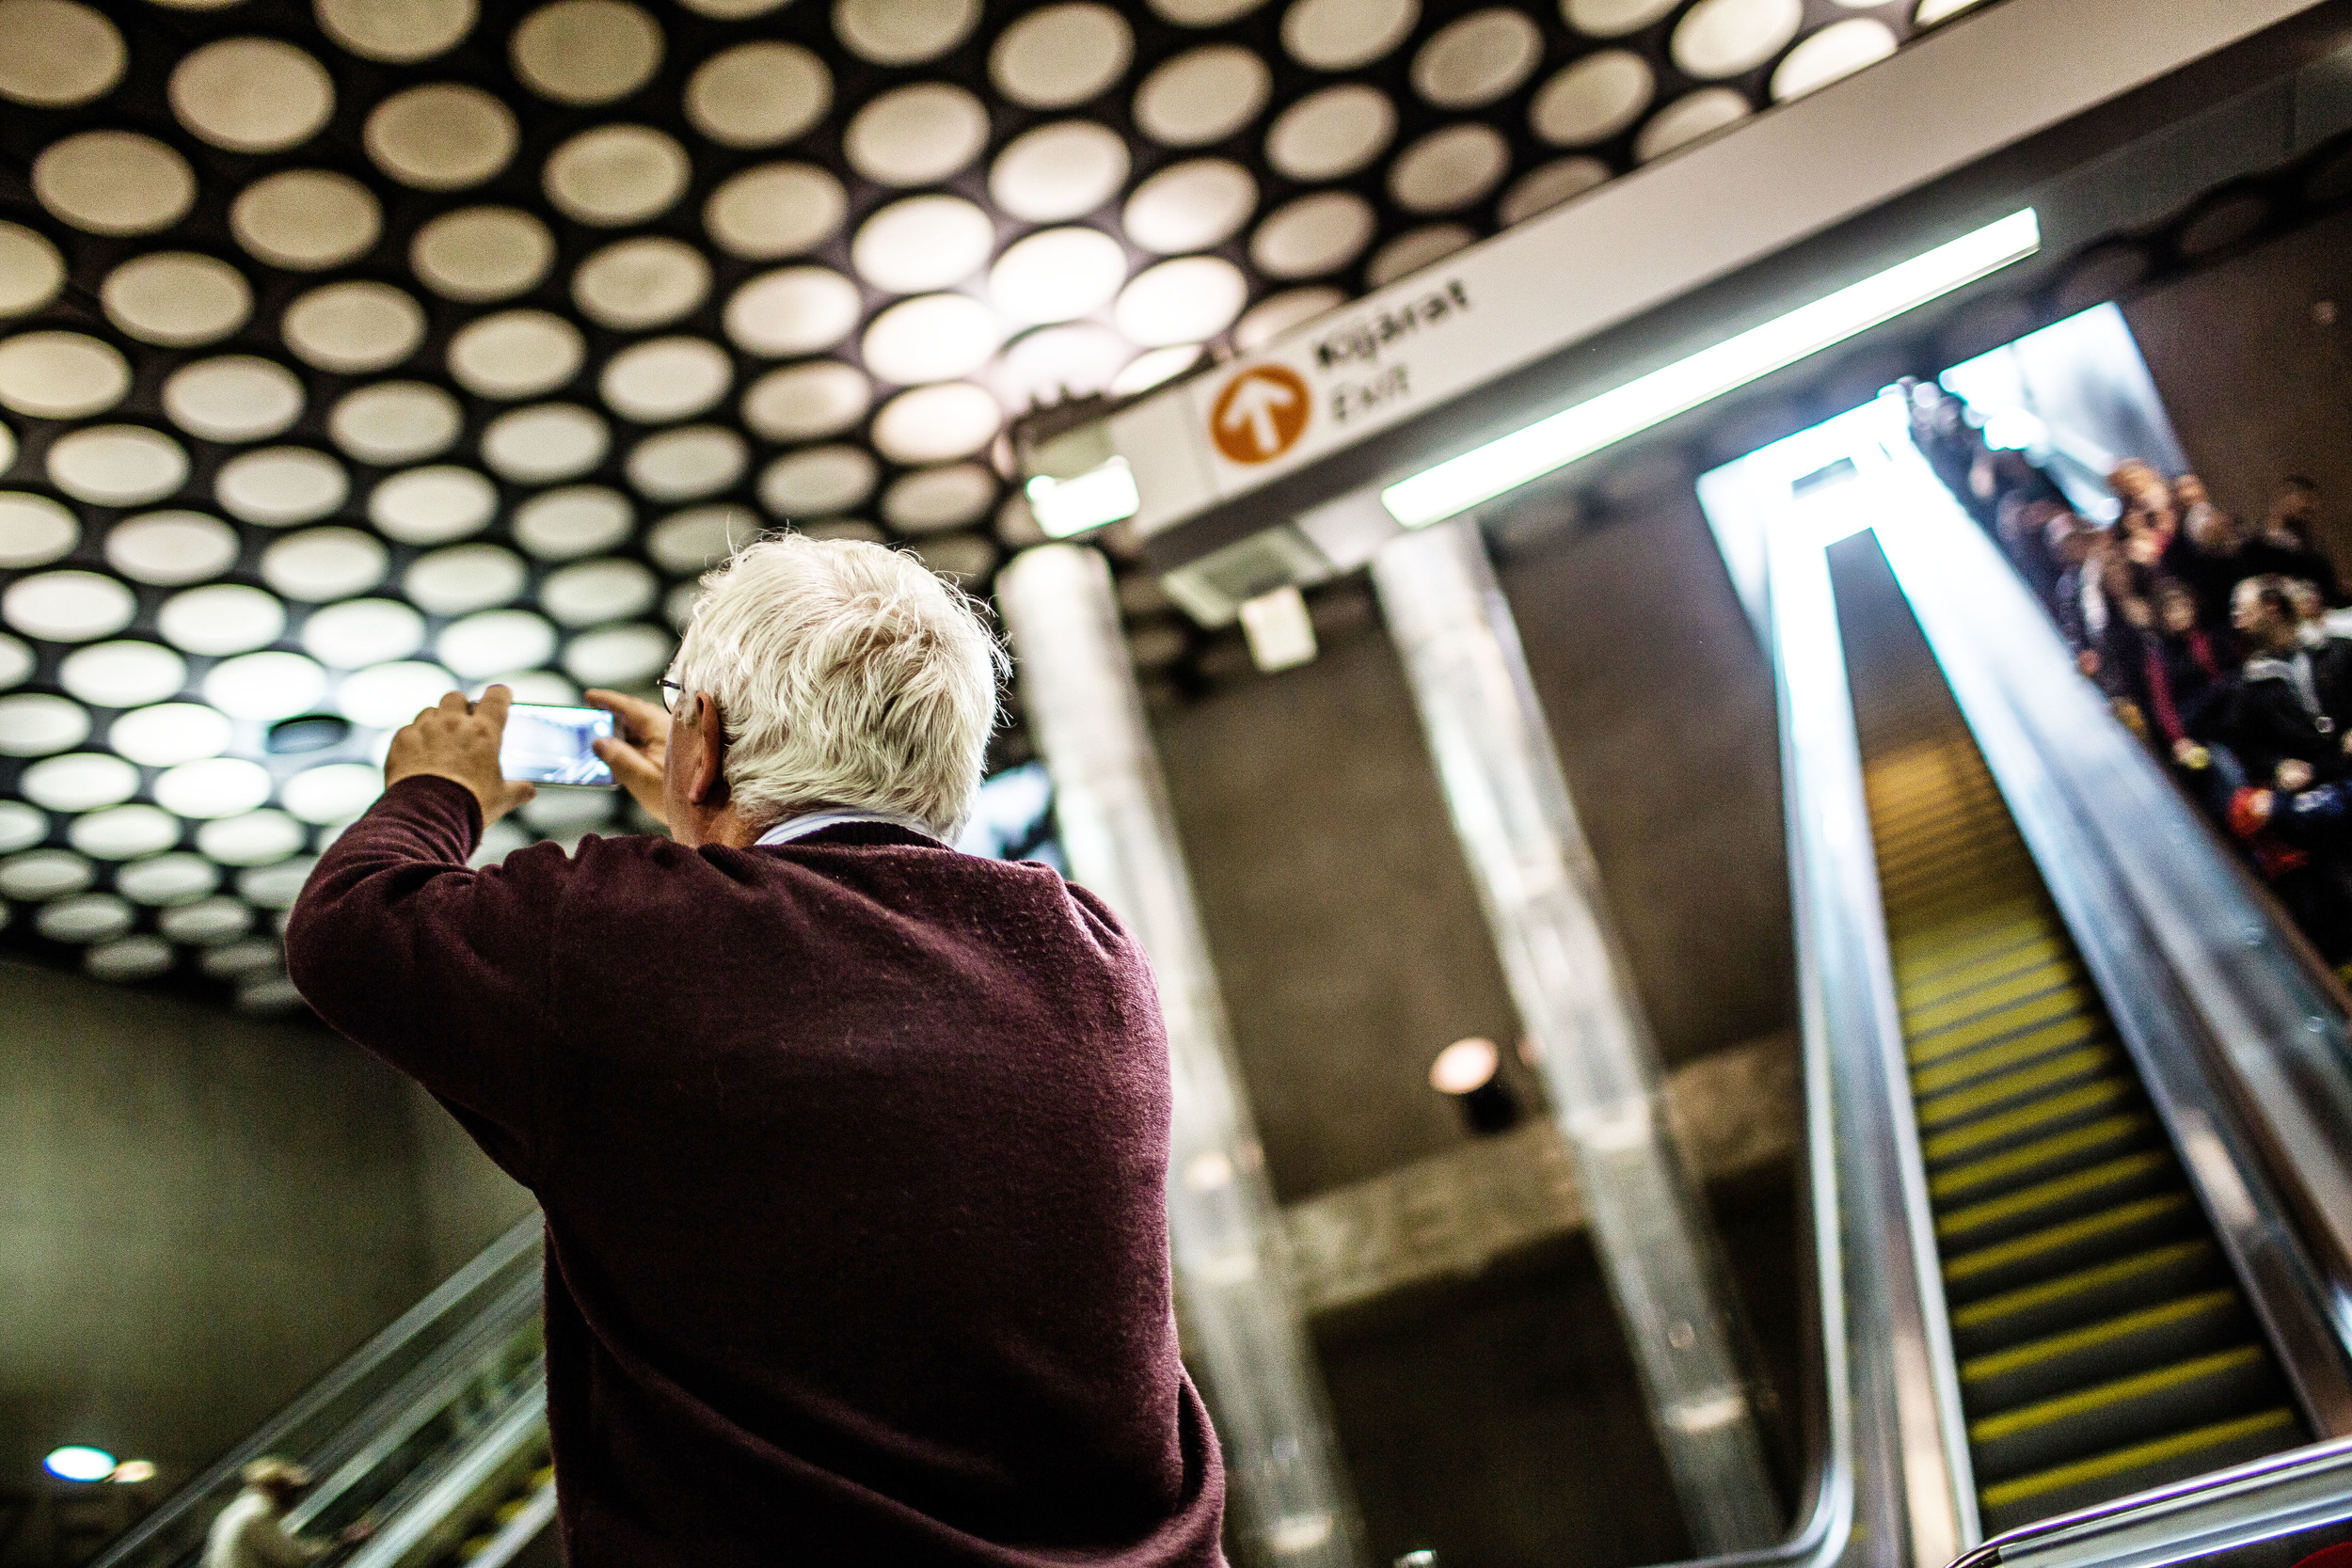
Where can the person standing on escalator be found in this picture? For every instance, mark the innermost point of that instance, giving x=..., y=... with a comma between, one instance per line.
x=251, y=1532
x=853, y=1150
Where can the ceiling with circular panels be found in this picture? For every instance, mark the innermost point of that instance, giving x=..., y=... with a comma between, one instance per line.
x=354, y=349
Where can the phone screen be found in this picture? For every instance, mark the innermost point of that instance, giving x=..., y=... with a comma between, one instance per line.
x=555, y=745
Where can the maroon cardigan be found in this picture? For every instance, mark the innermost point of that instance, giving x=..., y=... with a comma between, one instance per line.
x=851, y=1153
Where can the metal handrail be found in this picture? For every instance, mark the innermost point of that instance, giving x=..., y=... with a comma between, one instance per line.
x=447, y=1310
x=2263, y=1500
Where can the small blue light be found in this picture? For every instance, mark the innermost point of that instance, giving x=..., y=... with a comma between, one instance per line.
x=77, y=1462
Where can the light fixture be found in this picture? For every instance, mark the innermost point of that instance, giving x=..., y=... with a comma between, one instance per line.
x=1484, y=472
x=1469, y=1073
x=79, y=1461
x=131, y=1472
x=216, y=787
x=1102, y=496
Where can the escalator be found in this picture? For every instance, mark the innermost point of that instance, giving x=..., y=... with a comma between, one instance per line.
x=433, y=1436
x=2102, y=1345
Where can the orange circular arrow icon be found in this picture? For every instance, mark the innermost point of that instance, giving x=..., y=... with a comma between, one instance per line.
x=1261, y=414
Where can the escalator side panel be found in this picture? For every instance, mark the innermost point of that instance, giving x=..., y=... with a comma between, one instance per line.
x=2106, y=1346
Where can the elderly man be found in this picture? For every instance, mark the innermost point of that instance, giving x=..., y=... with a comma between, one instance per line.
x=251, y=1532
x=851, y=1148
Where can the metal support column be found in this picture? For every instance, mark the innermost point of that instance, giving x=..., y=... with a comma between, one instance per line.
x=1542, y=894
x=1244, y=1334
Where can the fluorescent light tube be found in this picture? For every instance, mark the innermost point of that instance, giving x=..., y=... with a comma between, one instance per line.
x=1101, y=495
x=1484, y=472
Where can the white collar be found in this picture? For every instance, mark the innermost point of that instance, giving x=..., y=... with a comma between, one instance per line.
x=809, y=822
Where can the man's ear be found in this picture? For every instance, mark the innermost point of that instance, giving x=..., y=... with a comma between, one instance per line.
x=706, y=733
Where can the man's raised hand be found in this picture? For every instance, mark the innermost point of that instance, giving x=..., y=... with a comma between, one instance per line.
x=458, y=740
x=639, y=750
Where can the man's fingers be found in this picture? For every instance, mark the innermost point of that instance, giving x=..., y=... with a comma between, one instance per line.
x=627, y=761
x=453, y=703
x=643, y=716
x=493, y=706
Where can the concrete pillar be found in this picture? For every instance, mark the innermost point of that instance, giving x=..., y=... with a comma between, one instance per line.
x=1542, y=894
x=1243, y=1335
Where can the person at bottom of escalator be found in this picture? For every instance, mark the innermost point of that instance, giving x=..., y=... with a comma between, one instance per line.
x=853, y=1149
x=251, y=1532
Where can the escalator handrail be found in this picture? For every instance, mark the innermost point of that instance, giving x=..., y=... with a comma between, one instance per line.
x=2259, y=1500
x=2111, y=833
x=445, y=1300
x=422, y=1507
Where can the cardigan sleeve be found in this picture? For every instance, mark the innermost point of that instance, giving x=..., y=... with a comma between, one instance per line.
x=442, y=971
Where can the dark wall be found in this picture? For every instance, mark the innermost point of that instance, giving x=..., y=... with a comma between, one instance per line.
x=200, y=1213
x=2255, y=365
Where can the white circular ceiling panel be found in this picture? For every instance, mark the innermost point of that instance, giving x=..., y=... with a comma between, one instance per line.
x=546, y=442
x=1475, y=60
x=433, y=505
x=663, y=379
x=1190, y=206
x=223, y=618
x=923, y=243
x=31, y=271
x=359, y=632
x=59, y=54
x=937, y=424
x=323, y=564
x=61, y=376
x=266, y=686
x=464, y=578
x=251, y=94
x=649, y=280
x=495, y=642
x=481, y=253
x=1726, y=37
x=1450, y=168
x=236, y=397
x=305, y=219
x=932, y=337
x=806, y=402
x=904, y=32
x=278, y=487
x=930, y=499
x=1692, y=117
x=590, y=592
x=1413, y=250
x=68, y=607
x=114, y=182
x=442, y=136
x=1203, y=95
x=1059, y=171
x=576, y=520
x=582, y=52
x=759, y=94
x=793, y=310
x=687, y=463
x=176, y=298
x=1057, y=275
x=122, y=674
x=915, y=136
x=354, y=327
x=1312, y=235
x=775, y=210
x=1060, y=55
x=1277, y=313
x=700, y=537
x=616, y=175
x=34, y=529
x=1331, y=133
x=395, y=422
x=1593, y=99
x=515, y=354
x=396, y=32
x=818, y=482
x=1836, y=51
x=117, y=465
x=1341, y=35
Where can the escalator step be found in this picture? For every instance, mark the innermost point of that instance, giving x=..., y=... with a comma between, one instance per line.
x=2170, y=1331
x=2086, y=1296
x=2061, y=1199
x=2124, y=1228
x=1923, y=955
x=1999, y=1172
x=1962, y=1106
x=2035, y=946
x=1953, y=1070
x=2031, y=980
x=2128, y=1411
x=2040, y=1119
x=2048, y=1006
x=2125, y=1471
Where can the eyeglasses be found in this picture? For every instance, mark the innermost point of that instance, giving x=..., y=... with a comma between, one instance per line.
x=671, y=692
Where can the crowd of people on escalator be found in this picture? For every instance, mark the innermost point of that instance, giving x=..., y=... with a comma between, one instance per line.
x=2224, y=643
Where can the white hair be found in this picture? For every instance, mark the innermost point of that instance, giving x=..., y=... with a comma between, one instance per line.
x=849, y=675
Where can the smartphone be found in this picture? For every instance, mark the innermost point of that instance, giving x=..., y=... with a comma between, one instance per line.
x=555, y=745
